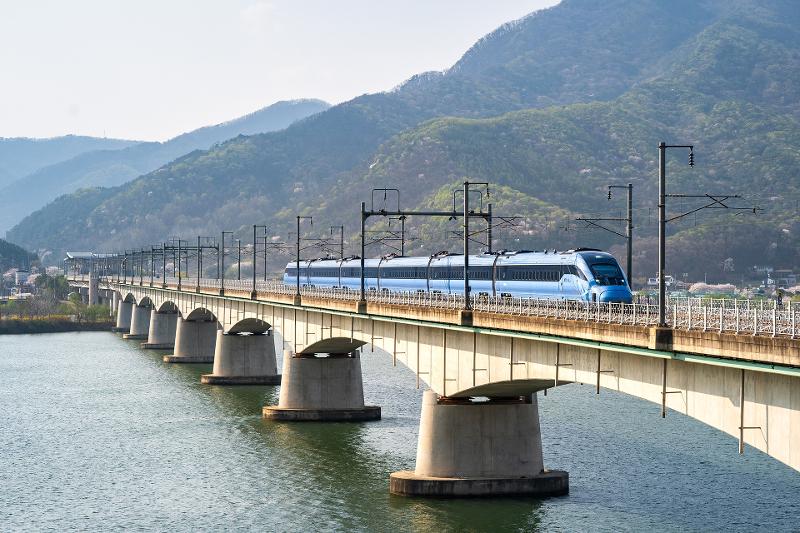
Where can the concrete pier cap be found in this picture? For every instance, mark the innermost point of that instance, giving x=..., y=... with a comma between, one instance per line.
x=163, y=322
x=470, y=448
x=195, y=338
x=244, y=355
x=323, y=383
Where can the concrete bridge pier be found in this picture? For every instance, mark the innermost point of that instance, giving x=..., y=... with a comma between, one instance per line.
x=161, y=333
x=323, y=388
x=195, y=341
x=487, y=448
x=244, y=355
x=124, y=314
x=140, y=322
x=94, y=289
x=113, y=302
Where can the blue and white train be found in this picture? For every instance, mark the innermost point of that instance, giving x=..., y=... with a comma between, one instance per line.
x=584, y=274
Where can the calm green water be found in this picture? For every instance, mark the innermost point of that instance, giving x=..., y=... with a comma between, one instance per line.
x=96, y=433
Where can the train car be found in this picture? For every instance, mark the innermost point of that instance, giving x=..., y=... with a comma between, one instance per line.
x=583, y=274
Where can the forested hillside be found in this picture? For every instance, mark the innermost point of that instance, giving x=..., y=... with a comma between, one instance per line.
x=12, y=255
x=551, y=109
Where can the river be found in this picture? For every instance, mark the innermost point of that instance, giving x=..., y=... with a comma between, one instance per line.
x=96, y=433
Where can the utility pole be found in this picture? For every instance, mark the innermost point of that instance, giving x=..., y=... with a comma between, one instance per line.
x=341, y=239
x=489, y=228
x=715, y=201
x=253, y=293
x=222, y=263
x=199, y=264
x=239, y=259
x=628, y=235
x=628, y=229
x=402, y=219
x=297, y=298
x=467, y=299
x=662, y=225
x=467, y=303
x=152, y=264
x=164, y=265
x=362, y=300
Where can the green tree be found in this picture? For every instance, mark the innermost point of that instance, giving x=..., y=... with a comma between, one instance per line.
x=78, y=307
x=52, y=287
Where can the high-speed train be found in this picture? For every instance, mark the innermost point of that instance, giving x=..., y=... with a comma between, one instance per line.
x=584, y=274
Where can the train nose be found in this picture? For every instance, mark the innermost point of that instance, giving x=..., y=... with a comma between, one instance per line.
x=616, y=294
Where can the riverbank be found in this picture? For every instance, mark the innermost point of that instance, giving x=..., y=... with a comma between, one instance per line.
x=15, y=326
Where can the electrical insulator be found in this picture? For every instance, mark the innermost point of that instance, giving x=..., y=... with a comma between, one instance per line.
x=691, y=159
x=609, y=194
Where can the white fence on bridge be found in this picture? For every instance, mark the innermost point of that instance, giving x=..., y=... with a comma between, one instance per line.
x=741, y=317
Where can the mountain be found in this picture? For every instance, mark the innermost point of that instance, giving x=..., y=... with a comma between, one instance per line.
x=550, y=109
x=20, y=156
x=109, y=167
x=12, y=256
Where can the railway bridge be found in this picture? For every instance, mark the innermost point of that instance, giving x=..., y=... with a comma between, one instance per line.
x=734, y=366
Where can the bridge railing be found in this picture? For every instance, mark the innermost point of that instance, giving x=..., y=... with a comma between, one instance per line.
x=742, y=317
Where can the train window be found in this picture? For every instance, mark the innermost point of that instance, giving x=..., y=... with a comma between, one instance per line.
x=607, y=274
x=396, y=273
x=550, y=273
x=480, y=272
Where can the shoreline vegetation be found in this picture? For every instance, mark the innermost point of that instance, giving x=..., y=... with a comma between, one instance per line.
x=21, y=326
x=53, y=308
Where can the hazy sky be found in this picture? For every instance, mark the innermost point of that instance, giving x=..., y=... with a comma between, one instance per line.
x=151, y=69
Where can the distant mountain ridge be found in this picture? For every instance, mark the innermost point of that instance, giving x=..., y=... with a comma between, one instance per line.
x=110, y=167
x=551, y=108
x=20, y=156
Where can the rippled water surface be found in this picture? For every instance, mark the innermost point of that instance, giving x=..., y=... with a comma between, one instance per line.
x=96, y=433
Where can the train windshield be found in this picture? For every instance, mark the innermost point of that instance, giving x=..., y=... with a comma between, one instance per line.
x=607, y=274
